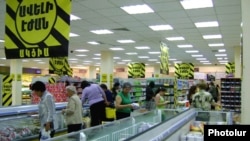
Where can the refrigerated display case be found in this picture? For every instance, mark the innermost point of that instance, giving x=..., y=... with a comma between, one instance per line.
x=21, y=122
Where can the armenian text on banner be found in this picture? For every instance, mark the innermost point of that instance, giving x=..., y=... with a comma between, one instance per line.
x=7, y=90
x=60, y=66
x=136, y=70
x=184, y=71
x=37, y=28
x=164, y=68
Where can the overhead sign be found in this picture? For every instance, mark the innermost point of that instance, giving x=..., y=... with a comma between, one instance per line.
x=60, y=66
x=7, y=90
x=136, y=70
x=37, y=28
x=184, y=71
x=164, y=68
x=230, y=68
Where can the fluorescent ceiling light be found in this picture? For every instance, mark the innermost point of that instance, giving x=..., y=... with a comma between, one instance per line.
x=158, y=62
x=87, y=61
x=73, y=62
x=37, y=60
x=221, y=55
x=184, y=46
x=3, y=58
x=223, y=61
x=197, y=55
x=121, y=62
x=131, y=53
x=74, y=18
x=116, y=58
x=152, y=60
x=221, y=50
x=137, y=9
x=72, y=59
x=81, y=50
x=216, y=45
x=206, y=24
x=97, y=54
x=161, y=27
x=94, y=43
x=191, y=51
x=207, y=63
x=102, y=31
x=225, y=58
x=172, y=59
x=73, y=35
x=81, y=55
x=175, y=38
x=125, y=41
x=212, y=36
x=143, y=57
x=116, y=48
x=176, y=62
x=142, y=47
x=1, y=41
x=219, y=58
x=204, y=61
x=41, y=62
x=194, y=4
x=97, y=58
x=201, y=58
x=156, y=52
x=126, y=60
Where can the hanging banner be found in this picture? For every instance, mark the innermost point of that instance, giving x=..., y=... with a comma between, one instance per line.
x=164, y=68
x=60, y=66
x=136, y=70
x=184, y=71
x=37, y=28
x=7, y=90
x=230, y=68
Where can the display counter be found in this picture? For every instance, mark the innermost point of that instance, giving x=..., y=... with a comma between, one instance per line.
x=122, y=129
x=20, y=122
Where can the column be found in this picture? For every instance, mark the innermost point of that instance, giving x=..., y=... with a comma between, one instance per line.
x=92, y=72
x=16, y=69
x=245, y=96
x=157, y=70
x=106, y=70
x=237, y=61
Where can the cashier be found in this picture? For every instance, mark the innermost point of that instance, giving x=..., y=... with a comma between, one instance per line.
x=46, y=108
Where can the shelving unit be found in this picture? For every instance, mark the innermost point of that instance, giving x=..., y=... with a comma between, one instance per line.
x=231, y=94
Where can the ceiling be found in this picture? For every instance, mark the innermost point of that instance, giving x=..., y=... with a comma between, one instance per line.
x=107, y=14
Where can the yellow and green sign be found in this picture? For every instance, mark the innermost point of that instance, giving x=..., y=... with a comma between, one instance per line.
x=164, y=68
x=59, y=66
x=184, y=71
x=136, y=70
x=37, y=28
x=7, y=90
x=230, y=68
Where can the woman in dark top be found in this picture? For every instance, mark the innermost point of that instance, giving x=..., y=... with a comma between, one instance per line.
x=191, y=92
x=115, y=89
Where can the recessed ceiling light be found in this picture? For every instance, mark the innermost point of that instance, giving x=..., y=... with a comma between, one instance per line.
x=116, y=58
x=197, y=55
x=177, y=62
x=3, y=58
x=73, y=62
x=152, y=60
x=206, y=24
x=212, y=36
x=221, y=50
x=216, y=45
x=97, y=54
x=37, y=60
x=94, y=43
x=221, y=55
x=102, y=31
x=116, y=48
x=172, y=59
x=204, y=61
x=191, y=51
x=81, y=55
x=125, y=41
x=121, y=62
x=131, y=53
x=156, y=52
x=96, y=58
x=207, y=63
x=194, y=4
x=143, y=57
x=175, y=38
x=81, y=50
x=126, y=60
x=219, y=58
x=185, y=46
x=25, y=60
x=87, y=61
x=41, y=62
x=73, y=35
x=201, y=58
x=1, y=41
x=142, y=47
x=74, y=18
x=161, y=27
x=225, y=58
x=223, y=61
x=137, y=9
x=72, y=59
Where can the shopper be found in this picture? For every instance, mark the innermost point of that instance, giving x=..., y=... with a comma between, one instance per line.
x=109, y=95
x=115, y=89
x=150, y=104
x=203, y=101
x=73, y=111
x=213, y=91
x=123, y=102
x=160, y=102
x=97, y=101
x=192, y=90
x=46, y=108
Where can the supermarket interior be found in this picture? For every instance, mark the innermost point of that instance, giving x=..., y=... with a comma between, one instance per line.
x=174, y=43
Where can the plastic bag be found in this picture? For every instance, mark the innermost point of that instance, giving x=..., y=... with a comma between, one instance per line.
x=45, y=135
